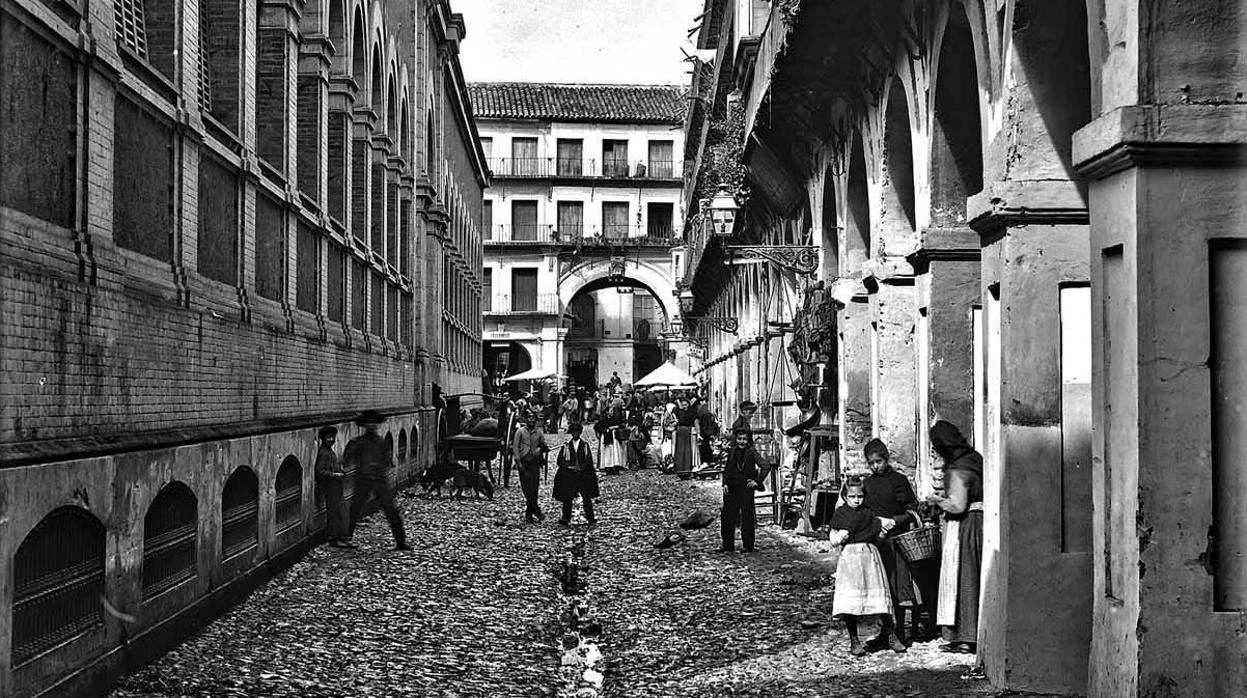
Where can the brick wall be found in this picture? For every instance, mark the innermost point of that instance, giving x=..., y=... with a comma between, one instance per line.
x=271, y=68
x=308, y=136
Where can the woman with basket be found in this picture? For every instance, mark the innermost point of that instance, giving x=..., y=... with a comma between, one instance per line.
x=890, y=497
x=962, y=555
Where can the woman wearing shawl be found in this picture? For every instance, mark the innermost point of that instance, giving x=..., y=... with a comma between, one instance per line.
x=686, y=419
x=958, y=605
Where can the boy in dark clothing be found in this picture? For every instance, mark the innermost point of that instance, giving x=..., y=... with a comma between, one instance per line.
x=576, y=477
x=744, y=420
x=329, y=477
x=373, y=459
x=741, y=476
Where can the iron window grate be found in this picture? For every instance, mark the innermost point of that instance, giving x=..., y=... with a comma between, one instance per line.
x=289, y=500
x=170, y=532
x=129, y=25
x=58, y=582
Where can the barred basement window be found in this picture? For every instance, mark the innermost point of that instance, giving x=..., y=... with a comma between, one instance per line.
x=170, y=532
x=58, y=580
x=240, y=513
x=289, y=498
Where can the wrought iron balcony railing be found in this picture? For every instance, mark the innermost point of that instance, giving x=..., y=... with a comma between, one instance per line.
x=581, y=236
x=553, y=168
x=522, y=234
x=522, y=304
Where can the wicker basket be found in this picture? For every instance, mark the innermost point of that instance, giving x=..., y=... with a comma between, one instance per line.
x=919, y=544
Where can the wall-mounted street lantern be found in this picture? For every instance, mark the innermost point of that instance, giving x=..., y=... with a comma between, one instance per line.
x=687, y=301
x=723, y=212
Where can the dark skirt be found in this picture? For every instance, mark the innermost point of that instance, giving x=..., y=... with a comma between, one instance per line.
x=684, y=448
x=900, y=579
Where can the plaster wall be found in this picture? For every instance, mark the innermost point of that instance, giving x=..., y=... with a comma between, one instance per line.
x=504, y=192
x=1159, y=452
x=1036, y=593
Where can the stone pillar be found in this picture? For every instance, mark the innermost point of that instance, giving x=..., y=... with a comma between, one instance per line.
x=947, y=267
x=893, y=310
x=853, y=367
x=1169, y=270
x=1035, y=606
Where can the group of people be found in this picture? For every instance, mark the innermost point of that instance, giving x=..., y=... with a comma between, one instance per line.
x=371, y=459
x=873, y=577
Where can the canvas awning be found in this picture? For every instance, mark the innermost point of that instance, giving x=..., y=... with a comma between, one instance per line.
x=532, y=374
x=667, y=376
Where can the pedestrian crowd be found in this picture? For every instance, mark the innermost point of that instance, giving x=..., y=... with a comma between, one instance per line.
x=878, y=575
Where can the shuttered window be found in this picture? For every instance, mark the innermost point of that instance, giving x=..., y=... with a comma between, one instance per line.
x=571, y=219
x=615, y=219
x=523, y=220
x=524, y=156
x=487, y=290
x=487, y=219
x=571, y=155
x=523, y=289
x=614, y=158
x=660, y=159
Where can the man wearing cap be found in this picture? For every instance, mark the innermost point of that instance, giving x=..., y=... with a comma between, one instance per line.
x=744, y=420
x=329, y=478
x=741, y=476
x=373, y=459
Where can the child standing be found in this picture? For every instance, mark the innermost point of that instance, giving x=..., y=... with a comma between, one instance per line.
x=861, y=580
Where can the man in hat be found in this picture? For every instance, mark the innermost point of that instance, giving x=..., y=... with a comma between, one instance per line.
x=373, y=459
x=329, y=478
x=576, y=477
x=528, y=448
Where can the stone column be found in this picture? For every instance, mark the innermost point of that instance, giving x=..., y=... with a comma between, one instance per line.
x=853, y=366
x=893, y=311
x=1035, y=604
x=947, y=268
x=1169, y=307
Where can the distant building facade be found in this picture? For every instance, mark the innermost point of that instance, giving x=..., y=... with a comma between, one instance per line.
x=222, y=226
x=582, y=217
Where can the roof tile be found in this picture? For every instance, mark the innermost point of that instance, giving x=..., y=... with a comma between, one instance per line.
x=663, y=104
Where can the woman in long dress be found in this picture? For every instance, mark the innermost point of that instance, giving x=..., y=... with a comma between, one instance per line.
x=686, y=419
x=957, y=608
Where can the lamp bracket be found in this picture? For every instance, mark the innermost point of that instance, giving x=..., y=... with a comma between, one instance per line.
x=799, y=259
x=723, y=324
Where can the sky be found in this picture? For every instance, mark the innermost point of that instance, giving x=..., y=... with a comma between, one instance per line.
x=608, y=41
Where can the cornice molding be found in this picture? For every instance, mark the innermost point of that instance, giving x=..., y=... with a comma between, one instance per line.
x=1160, y=135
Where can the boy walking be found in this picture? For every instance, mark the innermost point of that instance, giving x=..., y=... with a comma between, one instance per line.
x=329, y=477
x=373, y=459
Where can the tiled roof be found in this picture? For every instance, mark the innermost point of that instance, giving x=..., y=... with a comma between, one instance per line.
x=661, y=104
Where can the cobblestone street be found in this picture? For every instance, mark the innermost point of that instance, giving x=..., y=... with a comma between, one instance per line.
x=478, y=610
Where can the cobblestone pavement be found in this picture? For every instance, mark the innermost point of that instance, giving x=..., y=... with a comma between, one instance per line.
x=478, y=610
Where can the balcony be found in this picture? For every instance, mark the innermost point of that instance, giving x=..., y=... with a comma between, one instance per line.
x=524, y=234
x=582, y=168
x=529, y=304
x=658, y=236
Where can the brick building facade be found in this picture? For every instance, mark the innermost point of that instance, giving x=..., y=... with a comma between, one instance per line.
x=223, y=224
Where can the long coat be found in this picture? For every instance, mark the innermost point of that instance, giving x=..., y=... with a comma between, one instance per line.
x=575, y=475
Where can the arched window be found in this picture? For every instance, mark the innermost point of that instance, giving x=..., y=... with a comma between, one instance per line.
x=240, y=513
x=58, y=580
x=170, y=531
x=402, y=446
x=289, y=498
